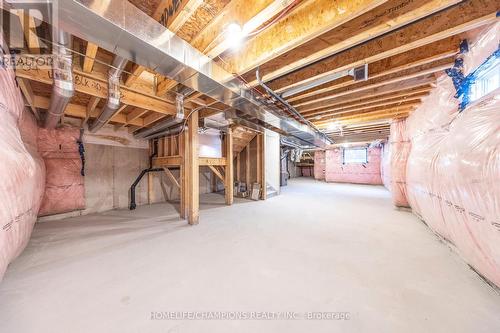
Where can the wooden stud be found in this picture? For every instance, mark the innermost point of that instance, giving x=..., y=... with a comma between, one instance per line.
x=28, y=25
x=27, y=91
x=247, y=166
x=193, y=171
x=238, y=167
x=172, y=177
x=216, y=173
x=90, y=54
x=229, y=174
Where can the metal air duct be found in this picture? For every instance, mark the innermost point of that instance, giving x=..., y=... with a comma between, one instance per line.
x=113, y=101
x=121, y=28
x=62, y=72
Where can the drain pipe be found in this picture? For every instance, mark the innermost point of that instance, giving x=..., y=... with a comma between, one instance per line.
x=288, y=106
x=62, y=72
x=113, y=101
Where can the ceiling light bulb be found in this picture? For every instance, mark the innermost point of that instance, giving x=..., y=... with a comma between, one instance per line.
x=234, y=35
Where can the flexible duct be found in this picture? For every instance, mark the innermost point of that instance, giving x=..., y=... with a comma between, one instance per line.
x=113, y=101
x=62, y=89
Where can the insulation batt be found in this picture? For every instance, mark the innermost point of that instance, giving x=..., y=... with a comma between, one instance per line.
x=357, y=173
x=22, y=170
x=385, y=165
x=453, y=170
x=319, y=165
x=65, y=190
x=398, y=157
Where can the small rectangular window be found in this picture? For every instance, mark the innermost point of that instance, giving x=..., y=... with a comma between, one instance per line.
x=355, y=155
x=486, y=81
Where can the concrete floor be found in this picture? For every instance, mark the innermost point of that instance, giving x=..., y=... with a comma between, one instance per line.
x=317, y=247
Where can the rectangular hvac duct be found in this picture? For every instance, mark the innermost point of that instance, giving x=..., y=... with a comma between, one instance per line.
x=123, y=29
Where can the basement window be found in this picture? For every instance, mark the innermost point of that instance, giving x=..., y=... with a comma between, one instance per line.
x=486, y=81
x=355, y=155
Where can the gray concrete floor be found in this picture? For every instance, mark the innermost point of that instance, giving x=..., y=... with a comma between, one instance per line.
x=317, y=247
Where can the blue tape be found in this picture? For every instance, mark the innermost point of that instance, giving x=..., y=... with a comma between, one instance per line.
x=463, y=84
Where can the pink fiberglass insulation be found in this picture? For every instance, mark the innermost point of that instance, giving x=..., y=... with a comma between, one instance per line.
x=358, y=173
x=65, y=189
x=453, y=171
x=22, y=186
x=385, y=165
x=319, y=165
x=400, y=149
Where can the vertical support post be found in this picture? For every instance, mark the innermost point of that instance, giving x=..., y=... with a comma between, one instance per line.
x=238, y=167
x=247, y=167
x=193, y=171
x=229, y=174
x=182, y=173
x=262, y=166
x=150, y=176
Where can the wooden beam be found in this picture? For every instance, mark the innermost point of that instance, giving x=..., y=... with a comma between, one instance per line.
x=193, y=171
x=258, y=165
x=262, y=179
x=28, y=25
x=229, y=174
x=309, y=20
x=405, y=75
x=164, y=85
x=468, y=15
x=216, y=172
x=359, y=107
x=416, y=58
x=408, y=94
x=27, y=91
x=174, y=13
x=96, y=86
x=90, y=54
x=91, y=106
x=80, y=111
x=238, y=167
x=171, y=177
x=207, y=161
x=247, y=166
x=250, y=15
x=368, y=111
x=389, y=88
x=387, y=17
x=377, y=115
x=134, y=74
x=183, y=151
x=167, y=161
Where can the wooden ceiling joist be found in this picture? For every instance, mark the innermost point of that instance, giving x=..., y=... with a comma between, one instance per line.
x=309, y=20
x=90, y=54
x=80, y=111
x=389, y=16
x=419, y=82
x=363, y=100
x=468, y=15
x=96, y=86
x=405, y=75
x=421, y=56
x=344, y=110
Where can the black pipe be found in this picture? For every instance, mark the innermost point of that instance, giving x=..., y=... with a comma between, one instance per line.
x=132, y=188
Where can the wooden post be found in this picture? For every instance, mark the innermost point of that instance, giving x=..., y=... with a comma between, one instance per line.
x=183, y=190
x=193, y=171
x=262, y=167
x=238, y=167
x=229, y=174
x=247, y=167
